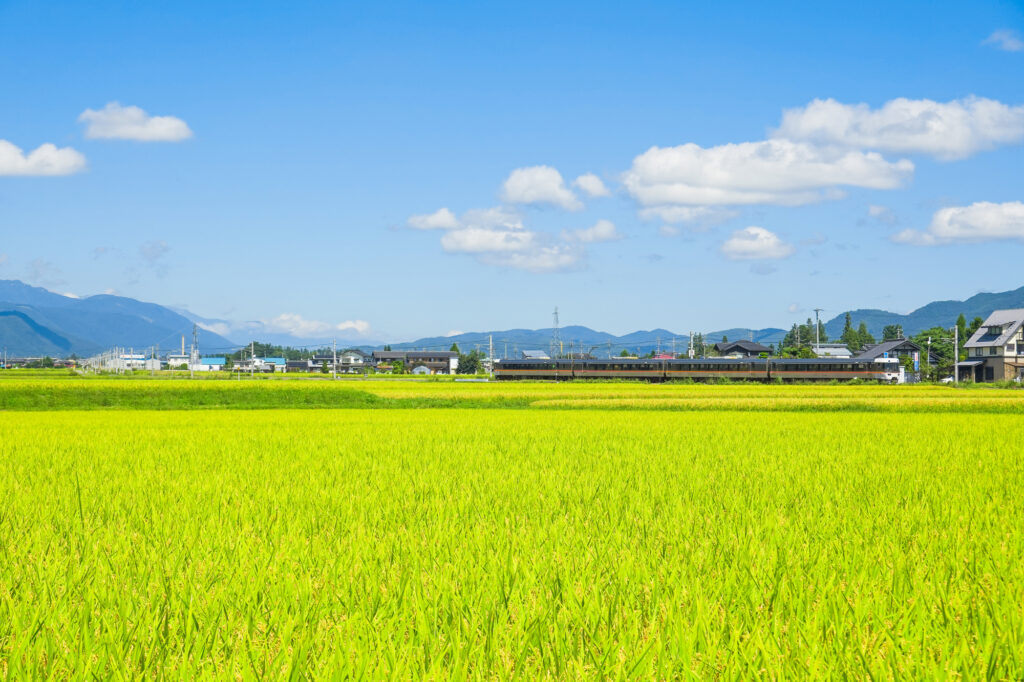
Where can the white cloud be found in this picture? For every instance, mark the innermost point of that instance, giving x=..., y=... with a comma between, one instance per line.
x=755, y=243
x=687, y=214
x=68, y=294
x=490, y=218
x=116, y=122
x=296, y=325
x=548, y=258
x=482, y=240
x=539, y=185
x=945, y=130
x=221, y=328
x=980, y=222
x=767, y=172
x=669, y=231
x=441, y=219
x=110, y=292
x=1005, y=39
x=46, y=159
x=793, y=308
x=591, y=185
x=455, y=332
x=877, y=211
x=602, y=231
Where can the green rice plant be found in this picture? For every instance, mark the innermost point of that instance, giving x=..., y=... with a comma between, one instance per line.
x=512, y=544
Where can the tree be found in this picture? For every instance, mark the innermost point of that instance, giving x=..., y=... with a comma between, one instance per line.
x=455, y=349
x=864, y=336
x=891, y=332
x=850, y=336
x=725, y=339
x=228, y=362
x=387, y=347
x=323, y=367
x=624, y=353
x=470, y=362
x=397, y=367
x=975, y=326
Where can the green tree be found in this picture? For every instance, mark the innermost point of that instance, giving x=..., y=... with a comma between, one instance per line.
x=864, y=336
x=850, y=336
x=470, y=362
x=387, y=346
x=228, y=362
x=891, y=332
x=624, y=353
x=397, y=367
x=725, y=339
x=455, y=349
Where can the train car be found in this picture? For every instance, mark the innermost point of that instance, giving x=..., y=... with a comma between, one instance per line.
x=533, y=369
x=619, y=368
x=887, y=370
x=826, y=369
x=703, y=369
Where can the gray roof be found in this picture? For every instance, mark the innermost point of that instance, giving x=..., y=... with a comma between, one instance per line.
x=413, y=354
x=1009, y=321
x=880, y=349
x=748, y=346
x=535, y=355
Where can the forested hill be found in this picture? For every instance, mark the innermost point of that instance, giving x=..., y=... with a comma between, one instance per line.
x=935, y=314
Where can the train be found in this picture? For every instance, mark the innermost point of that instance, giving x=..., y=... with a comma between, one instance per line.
x=887, y=370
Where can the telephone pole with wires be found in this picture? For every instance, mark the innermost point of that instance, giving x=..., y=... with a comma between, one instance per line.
x=817, y=334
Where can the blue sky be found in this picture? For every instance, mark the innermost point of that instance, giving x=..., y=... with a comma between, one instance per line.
x=307, y=145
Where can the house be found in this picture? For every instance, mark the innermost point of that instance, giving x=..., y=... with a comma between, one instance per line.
x=132, y=361
x=898, y=348
x=298, y=366
x=176, y=360
x=209, y=364
x=353, y=360
x=535, y=355
x=436, y=361
x=268, y=364
x=833, y=350
x=740, y=349
x=996, y=351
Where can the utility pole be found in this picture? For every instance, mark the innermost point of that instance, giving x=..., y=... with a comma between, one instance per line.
x=817, y=332
x=252, y=359
x=490, y=351
x=956, y=354
x=334, y=365
x=194, y=355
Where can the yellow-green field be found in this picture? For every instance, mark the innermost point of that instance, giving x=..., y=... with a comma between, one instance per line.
x=509, y=531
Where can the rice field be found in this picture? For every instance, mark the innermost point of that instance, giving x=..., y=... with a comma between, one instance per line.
x=434, y=530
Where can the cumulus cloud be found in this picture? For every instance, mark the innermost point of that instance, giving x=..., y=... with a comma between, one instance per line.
x=441, y=219
x=1005, y=39
x=591, y=185
x=945, y=130
x=982, y=221
x=455, y=332
x=687, y=214
x=296, y=325
x=755, y=243
x=767, y=172
x=117, y=122
x=539, y=185
x=602, y=231
x=46, y=159
x=221, y=328
x=542, y=258
x=482, y=240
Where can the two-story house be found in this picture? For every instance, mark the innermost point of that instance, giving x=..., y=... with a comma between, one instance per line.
x=996, y=351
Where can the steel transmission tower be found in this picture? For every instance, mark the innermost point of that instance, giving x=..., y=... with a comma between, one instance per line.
x=556, y=341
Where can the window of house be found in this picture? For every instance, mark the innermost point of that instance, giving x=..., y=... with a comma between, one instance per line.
x=993, y=350
x=1011, y=348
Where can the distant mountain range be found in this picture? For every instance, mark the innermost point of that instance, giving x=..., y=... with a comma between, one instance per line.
x=34, y=321
x=935, y=314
